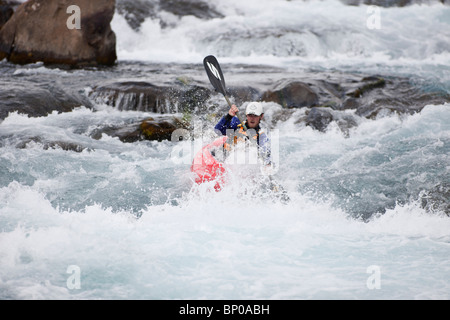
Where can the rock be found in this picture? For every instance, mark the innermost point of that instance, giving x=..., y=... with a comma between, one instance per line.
x=330, y=93
x=46, y=145
x=39, y=31
x=136, y=11
x=6, y=11
x=436, y=199
x=158, y=129
x=350, y=103
x=162, y=130
x=145, y=96
x=126, y=133
x=196, y=8
x=292, y=94
x=244, y=94
x=319, y=118
x=193, y=98
x=373, y=83
x=393, y=95
x=136, y=96
x=38, y=100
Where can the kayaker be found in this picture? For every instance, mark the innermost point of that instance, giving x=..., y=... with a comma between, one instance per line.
x=254, y=113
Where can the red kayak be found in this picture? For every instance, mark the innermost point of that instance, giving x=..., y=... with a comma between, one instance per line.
x=206, y=167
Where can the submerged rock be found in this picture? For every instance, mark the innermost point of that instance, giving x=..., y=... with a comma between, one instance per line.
x=135, y=96
x=136, y=11
x=437, y=199
x=43, y=31
x=326, y=98
x=392, y=95
x=46, y=145
x=196, y=8
x=372, y=83
x=319, y=118
x=158, y=128
x=147, y=97
x=193, y=99
x=38, y=100
x=244, y=94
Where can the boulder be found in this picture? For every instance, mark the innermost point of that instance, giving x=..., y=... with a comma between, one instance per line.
x=148, y=97
x=6, y=11
x=243, y=94
x=293, y=94
x=39, y=99
x=192, y=98
x=136, y=96
x=47, y=31
x=319, y=118
x=159, y=129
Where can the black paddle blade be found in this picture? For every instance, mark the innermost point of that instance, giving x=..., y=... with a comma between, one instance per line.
x=215, y=74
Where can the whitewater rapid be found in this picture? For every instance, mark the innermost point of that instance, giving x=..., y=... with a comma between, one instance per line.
x=103, y=219
x=295, y=34
x=128, y=219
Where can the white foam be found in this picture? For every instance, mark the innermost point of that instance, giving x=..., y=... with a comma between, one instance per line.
x=325, y=33
x=217, y=247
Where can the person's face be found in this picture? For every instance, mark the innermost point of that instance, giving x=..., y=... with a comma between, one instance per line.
x=253, y=120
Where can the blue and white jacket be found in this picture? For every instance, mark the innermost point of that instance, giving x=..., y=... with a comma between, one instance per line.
x=229, y=122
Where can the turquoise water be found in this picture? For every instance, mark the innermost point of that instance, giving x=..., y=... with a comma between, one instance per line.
x=110, y=220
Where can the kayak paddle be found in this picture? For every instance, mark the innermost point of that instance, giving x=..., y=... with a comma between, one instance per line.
x=216, y=78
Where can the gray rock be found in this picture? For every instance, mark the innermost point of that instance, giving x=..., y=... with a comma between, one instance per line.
x=292, y=94
x=38, y=31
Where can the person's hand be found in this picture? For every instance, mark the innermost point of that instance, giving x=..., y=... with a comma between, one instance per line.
x=233, y=110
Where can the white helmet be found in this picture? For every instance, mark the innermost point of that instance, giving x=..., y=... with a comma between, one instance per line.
x=255, y=108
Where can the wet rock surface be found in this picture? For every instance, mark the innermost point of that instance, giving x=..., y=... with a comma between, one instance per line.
x=7, y=9
x=51, y=32
x=38, y=99
x=184, y=92
x=136, y=11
